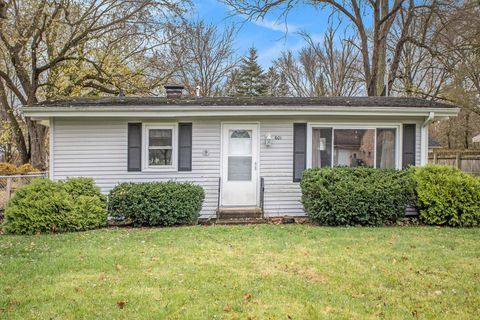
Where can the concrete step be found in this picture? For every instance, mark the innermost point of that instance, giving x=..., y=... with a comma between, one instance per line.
x=245, y=221
x=239, y=213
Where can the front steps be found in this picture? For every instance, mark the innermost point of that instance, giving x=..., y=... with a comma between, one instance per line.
x=239, y=216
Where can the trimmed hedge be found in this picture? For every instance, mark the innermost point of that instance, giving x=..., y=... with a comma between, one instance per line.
x=45, y=206
x=356, y=196
x=447, y=196
x=156, y=203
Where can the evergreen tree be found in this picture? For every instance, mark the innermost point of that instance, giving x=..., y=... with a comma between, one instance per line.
x=277, y=83
x=251, y=78
x=232, y=83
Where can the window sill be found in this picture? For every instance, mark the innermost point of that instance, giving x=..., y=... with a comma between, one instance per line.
x=168, y=169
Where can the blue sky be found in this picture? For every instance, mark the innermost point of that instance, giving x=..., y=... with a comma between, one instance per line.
x=268, y=36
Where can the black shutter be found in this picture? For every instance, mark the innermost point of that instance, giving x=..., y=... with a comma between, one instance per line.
x=408, y=150
x=299, y=150
x=184, y=147
x=134, y=147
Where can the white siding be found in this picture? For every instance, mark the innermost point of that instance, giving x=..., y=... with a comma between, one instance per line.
x=97, y=148
x=282, y=195
x=418, y=143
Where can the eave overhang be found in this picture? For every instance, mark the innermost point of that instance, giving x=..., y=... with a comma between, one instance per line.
x=40, y=113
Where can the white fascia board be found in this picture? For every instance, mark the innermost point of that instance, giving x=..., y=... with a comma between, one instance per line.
x=218, y=111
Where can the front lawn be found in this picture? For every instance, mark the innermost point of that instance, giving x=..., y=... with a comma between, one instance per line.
x=261, y=272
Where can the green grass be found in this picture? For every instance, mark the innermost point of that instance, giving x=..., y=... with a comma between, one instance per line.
x=258, y=272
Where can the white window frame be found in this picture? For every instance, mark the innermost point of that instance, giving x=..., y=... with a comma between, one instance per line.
x=353, y=126
x=145, y=146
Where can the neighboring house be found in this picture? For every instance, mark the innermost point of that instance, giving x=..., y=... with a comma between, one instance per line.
x=433, y=144
x=476, y=139
x=231, y=146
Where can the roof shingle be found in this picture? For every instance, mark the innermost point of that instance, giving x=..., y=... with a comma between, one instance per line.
x=247, y=101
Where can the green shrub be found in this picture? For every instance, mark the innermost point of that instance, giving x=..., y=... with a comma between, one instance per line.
x=156, y=203
x=356, y=196
x=447, y=196
x=47, y=206
x=77, y=187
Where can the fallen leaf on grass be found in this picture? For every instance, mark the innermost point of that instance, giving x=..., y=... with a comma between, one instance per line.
x=154, y=258
x=327, y=310
x=227, y=308
x=121, y=304
x=246, y=298
x=118, y=267
x=358, y=295
x=102, y=277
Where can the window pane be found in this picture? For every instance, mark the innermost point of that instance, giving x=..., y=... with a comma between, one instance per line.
x=322, y=147
x=239, y=168
x=240, y=143
x=239, y=134
x=160, y=157
x=386, y=148
x=354, y=147
x=160, y=137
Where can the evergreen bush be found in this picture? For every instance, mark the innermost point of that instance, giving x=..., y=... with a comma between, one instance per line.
x=356, y=196
x=447, y=196
x=45, y=206
x=156, y=203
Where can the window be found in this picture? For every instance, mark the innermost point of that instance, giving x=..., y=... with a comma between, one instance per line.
x=386, y=148
x=240, y=155
x=322, y=147
x=352, y=147
x=160, y=142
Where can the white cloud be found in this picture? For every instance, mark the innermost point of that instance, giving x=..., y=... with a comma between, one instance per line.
x=275, y=25
x=268, y=54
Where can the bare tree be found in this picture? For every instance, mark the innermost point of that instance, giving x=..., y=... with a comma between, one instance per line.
x=204, y=55
x=322, y=68
x=442, y=61
x=372, y=32
x=39, y=37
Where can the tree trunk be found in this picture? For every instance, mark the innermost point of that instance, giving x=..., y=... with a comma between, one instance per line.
x=16, y=130
x=38, y=144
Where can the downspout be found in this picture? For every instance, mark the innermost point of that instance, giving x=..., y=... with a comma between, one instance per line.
x=431, y=116
x=424, y=138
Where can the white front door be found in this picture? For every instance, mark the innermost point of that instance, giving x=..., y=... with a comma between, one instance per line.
x=239, y=164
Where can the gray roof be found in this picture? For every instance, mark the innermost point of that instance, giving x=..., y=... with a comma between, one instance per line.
x=247, y=101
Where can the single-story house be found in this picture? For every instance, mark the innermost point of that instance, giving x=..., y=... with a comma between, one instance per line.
x=246, y=152
x=476, y=139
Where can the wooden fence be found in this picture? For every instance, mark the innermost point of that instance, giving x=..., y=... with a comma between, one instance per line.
x=465, y=160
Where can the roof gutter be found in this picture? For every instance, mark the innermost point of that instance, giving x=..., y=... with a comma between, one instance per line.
x=218, y=111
